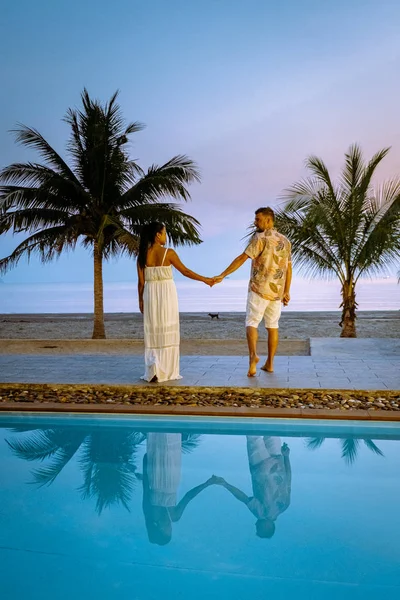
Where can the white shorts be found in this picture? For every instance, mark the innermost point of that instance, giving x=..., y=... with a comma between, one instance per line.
x=258, y=307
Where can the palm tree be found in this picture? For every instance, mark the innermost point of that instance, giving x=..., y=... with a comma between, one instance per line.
x=346, y=230
x=101, y=198
x=350, y=447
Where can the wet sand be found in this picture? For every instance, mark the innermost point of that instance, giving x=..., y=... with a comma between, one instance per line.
x=196, y=326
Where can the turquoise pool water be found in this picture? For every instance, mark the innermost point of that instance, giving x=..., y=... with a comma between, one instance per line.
x=138, y=508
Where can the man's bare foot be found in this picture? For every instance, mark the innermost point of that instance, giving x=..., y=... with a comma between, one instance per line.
x=253, y=366
x=268, y=367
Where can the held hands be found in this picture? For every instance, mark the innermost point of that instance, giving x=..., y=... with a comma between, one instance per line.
x=215, y=480
x=218, y=278
x=209, y=281
x=213, y=280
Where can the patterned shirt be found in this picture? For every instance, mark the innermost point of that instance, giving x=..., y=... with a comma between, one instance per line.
x=270, y=252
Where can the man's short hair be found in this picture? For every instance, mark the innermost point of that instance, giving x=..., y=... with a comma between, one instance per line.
x=267, y=211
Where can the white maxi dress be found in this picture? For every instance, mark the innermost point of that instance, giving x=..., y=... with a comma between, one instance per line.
x=161, y=324
x=164, y=456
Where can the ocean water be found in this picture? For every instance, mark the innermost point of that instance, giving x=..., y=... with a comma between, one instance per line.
x=229, y=296
x=120, y=508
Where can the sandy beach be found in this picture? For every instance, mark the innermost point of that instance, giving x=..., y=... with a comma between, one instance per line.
x=195, y=326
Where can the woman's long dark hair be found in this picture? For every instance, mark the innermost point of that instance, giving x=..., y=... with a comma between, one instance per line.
x=147, y=239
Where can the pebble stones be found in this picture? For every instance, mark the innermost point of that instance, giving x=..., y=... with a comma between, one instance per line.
x=235, y=397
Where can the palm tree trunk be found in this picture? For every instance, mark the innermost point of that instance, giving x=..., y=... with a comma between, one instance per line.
x=98, y=321
x=349, y=305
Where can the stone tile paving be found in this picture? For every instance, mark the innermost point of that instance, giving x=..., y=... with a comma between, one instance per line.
x=319, y=371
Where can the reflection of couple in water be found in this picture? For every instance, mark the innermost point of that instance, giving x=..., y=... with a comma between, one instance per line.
x=270, y=474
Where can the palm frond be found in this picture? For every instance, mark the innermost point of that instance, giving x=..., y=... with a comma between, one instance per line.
x=58, y=444
x=190, y=442
x=353, y=170
x=350, y=448
x=380, y=241
x=48, y=244
x=314, y=443
x=169, y=180
x=373, y=447
x=108, y=464
x=313, y=252
x=31, y=219
x=182, y=229
x=38, y=446
x=27, y=136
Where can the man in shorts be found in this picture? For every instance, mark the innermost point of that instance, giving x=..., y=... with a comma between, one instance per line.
x=269, y=286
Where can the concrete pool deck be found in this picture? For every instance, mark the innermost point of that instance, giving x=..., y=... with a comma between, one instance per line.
x=333, y=363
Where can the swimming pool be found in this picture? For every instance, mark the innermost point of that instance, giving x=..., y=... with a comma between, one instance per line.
x=159, y=508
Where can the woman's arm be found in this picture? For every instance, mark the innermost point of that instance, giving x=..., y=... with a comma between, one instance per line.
x=179, y=266
x=140, y=286
x=177, y=511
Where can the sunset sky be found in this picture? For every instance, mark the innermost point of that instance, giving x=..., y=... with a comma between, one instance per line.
x=248, y=89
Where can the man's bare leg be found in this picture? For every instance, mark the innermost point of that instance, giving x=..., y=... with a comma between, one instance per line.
x=273, y=339
x=252, y=337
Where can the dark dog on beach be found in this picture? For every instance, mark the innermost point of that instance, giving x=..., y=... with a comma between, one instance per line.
x=213, y=315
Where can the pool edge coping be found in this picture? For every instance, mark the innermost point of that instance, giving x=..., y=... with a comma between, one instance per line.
x=205, y=411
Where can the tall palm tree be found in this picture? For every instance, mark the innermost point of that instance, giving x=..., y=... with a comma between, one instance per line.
x=348, y=229
x=100, y=198
x=350, y=447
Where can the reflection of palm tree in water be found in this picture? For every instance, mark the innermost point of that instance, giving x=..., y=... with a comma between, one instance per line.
x=161, y=479
x=106, y=457
x=271, y=481
x=350, y=447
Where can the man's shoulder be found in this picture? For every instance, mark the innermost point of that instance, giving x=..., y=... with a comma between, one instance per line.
x=281, y=237
x=255, y=238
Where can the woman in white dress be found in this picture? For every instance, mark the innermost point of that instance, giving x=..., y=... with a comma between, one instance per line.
x=158, y=301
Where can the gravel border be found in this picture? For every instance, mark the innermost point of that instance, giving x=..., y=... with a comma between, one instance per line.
x=113, y=396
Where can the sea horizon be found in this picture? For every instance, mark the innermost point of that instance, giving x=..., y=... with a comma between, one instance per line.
x=194, y=297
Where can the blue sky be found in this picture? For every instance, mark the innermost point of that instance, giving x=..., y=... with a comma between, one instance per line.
x=246, y=89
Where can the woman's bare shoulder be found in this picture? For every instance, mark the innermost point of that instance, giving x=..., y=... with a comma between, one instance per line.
x=170, y=257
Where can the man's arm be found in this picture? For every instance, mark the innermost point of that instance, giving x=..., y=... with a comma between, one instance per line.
x=238, y=494
x=286, y=462
x=234, y=266
x=288, y=281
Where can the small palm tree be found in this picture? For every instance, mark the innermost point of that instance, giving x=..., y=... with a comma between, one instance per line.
x=346, y=230
x=102, y=198
x=350, y=447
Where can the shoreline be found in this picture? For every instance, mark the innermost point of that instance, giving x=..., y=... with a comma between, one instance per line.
x=195, y=326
